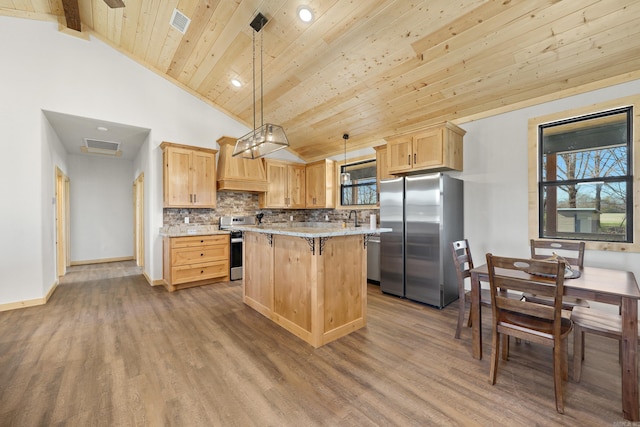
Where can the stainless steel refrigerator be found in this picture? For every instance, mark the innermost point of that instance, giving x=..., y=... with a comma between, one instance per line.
x=425, y=213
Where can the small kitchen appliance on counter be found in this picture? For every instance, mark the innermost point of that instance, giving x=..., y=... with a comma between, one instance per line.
x=235, y=256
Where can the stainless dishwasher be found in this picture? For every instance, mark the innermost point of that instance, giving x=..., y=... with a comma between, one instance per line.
x=373, y=259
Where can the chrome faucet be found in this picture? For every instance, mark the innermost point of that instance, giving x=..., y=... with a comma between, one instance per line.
x=356, y=216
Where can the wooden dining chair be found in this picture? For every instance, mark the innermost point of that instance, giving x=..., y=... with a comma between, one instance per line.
x=530, y=321
x=463, y=263
x=593, y=321
x=572, y=252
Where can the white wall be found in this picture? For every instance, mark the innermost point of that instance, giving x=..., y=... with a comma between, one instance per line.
x=45, y=69
x=101, y=199
x=495, y=177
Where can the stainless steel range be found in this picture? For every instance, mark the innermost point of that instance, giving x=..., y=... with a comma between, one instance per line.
x=235, y=255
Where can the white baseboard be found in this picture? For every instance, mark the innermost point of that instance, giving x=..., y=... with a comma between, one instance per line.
x=101, y=261
x=30, y=303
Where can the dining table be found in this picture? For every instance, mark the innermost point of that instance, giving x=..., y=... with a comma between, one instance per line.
x=603, y=285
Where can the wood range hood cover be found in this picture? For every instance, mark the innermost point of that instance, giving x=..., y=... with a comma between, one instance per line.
x=237, y=173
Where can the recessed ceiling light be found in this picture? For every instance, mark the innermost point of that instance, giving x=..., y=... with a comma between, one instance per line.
x=236, y=82
x=102, y=128
x=305, y=14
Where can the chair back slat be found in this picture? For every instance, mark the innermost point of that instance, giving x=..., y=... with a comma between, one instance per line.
x=573, y=252
x=462, y=259
x=528, y=308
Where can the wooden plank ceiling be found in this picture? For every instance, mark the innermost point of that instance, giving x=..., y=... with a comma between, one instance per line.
x=371, y=68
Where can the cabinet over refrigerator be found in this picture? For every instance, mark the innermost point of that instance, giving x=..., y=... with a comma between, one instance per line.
x=425, y=213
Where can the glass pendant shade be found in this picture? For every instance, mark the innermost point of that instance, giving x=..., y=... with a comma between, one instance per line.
x=268, y=138
x=345, y=177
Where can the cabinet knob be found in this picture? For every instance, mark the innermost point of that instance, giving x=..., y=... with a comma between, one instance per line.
x=201, y=254
x=409, y=159
x=414, y=158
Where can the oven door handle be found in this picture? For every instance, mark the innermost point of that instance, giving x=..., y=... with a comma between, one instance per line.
x=237, y=240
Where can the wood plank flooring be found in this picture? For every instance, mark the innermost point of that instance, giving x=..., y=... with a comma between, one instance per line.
x=110, y=350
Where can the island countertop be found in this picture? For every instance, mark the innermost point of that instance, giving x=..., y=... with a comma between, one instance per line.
x=310, y=229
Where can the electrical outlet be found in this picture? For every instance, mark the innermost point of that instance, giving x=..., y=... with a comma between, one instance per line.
x=186, y=220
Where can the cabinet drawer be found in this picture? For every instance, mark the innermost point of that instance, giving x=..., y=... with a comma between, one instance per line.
x=192, y=273
x=191, y=241
x=201, y=255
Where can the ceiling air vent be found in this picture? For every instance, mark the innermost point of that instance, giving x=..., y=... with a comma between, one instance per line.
x=179, y=21
x=96, y=146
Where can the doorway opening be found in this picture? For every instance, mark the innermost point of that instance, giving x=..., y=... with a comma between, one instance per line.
x=62, y=223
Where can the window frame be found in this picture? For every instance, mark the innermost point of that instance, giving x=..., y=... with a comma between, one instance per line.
x=627, y=179
x=534, y=153
x=338, y=192
x=356, y=186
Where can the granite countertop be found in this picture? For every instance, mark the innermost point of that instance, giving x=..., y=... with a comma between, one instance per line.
x=190, y=230
x=308, y=229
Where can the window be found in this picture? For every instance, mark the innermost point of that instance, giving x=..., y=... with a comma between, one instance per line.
x=585, y=189
x=361, y=190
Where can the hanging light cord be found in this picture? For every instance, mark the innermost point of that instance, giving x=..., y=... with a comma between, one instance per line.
x=345, y=150
x=261, y=82
x=345, y=137
x=254, y=84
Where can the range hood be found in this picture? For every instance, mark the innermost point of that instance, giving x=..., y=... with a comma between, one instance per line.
x=238, y=173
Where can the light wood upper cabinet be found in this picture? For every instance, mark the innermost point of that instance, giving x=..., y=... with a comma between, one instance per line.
x=400, y=154
x=382, y=169
x=435, y=148
x=286, y=185
x=382, y=166
x=189, y=176
x=320, y=184
x=296, y=185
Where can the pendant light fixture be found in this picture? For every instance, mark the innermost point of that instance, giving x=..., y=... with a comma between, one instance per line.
x=268, y=137
x=345, y=177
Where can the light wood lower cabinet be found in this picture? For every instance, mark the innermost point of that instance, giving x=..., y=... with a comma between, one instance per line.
x=314, y=288
x=195, y=260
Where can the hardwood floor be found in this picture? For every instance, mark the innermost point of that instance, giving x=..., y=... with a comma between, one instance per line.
x=109, y=350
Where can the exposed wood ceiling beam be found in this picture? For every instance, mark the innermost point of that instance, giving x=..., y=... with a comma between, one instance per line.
x=72, y=14
x=114, y=4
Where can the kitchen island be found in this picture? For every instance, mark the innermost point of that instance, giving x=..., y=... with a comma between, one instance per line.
x=311, y=280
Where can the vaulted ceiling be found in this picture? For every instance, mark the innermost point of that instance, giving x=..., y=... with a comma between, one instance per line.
x=371, y=68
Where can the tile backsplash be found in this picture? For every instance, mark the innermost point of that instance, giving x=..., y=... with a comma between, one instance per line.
x=239, y=203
